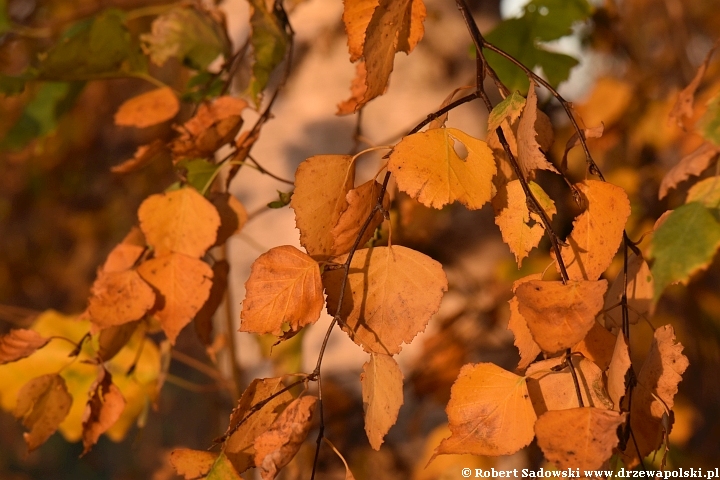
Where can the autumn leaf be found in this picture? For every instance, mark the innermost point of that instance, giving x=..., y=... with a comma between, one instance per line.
x=233, y=215
x=143, y=156
x=390, y=295
x=275, y=447
x=692, y=164
x=184, y=285
x=112, y=339
x=639, y=293
x=20, y=343
x=530, y=157
x=223, y=469
x=126, y=253
x=509, y=109
x=360, y=203
x=284, y=287
x=581, y=438
x=657, y=384
x=43, y=403
x=358, y=87
x=269, y=41
x=192, y=464
x=683, y=107
x=490, y=412
x=181, y=221
x=204, y=317
x=382, y=392
x=118, y=298
x=526, y=345
x=356, y=17
x=427, y=167
x=598, y=346
x=617, y=370
x=318, y=205
x=597, y=232
x=705, y=191
x=245, y=426
x=521, y=230
x=147, y=109
x=103, y=409
x=560, y=315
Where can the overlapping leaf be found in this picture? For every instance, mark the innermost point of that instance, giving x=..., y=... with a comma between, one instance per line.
x=639, y=293
x=43, y=403
x=382, y=393
x=360, y=203
x=103, y=409
x=147, y=109
x=530, y=157
x=692, y=164
x=526, y=345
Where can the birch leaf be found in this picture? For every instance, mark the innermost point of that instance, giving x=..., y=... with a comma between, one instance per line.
x=43, y=403
x=692, y=164
x=192, y=464
x=20, y=343
x=103, y=409
x=147, y=109
x=617, y=371
x=639, y=293
x=526, y=345
x=118, y=298
x=509, y=109
x=382, y=392
x=530, y=157
x=361, y=202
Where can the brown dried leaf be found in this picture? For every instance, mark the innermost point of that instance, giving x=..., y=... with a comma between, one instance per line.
x=358, y=87
x=581, y=438
x=284, y=287
x=43, y=403
x=20, y=343
x=639, y=293
x=144, y=155
x=619, y=365
x=382, y=393
x=321, y=184
x=657, y=384
x=597, y=232
x=390, y=295
x=691, y=164
x=181, y=221
x=103, y=409
x=278, y=445
x=529, y=155
x=118, y=298
x=683, y=107
x=204, y=316
x=598, y=346
x=490, y=412
x=112, y=339
x=184, y=284
x=360, y=203
x=560, y=315
x=427, y=167
x=240, y=445
x=192, y=464
x=147, y=109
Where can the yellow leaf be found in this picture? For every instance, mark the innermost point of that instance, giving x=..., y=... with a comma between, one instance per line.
x=581, y=438
x=427, y=167
x=526, y=345
x=530, y=157
x=20, y=343
x=43, y=403
x=356, y=17
x=490, y=412
x=118, y=298
x=147, y=109
x=382, y=392
x=181, y=221
x=103, y=409
x=360, y=203
x=445, y=466
x=321, y=184
x=192, y=464
x=597, y=232
x=184, y=283
x=619, y=365
x=390, y=295
x=284, y=287
x=560, y=315
x=639, y=293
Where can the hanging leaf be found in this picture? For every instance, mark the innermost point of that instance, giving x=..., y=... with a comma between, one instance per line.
x=125, y=254
x=581, y=438
x=382, y=392
x=597, y=346
x=199, y=172
x=204, y=316
x=597, y=232
x=490, y=412
x=684, y=244
x=43, y=403
x=560, y=315
x=278, y=444
x=20, y=343
x=318, y=205
x=526, y=345
x=530, y=158
x=639, y=293
x=617, y=371
x=427, y=167
x=509, y=109
x=233, y=215
x=147, y=109
x=112, y=339
x=269, y=41
x=192, y=464
x=119, y=297
x=144, y=155
x=184, y=285
x=390, y=295
x=692, y=164
x=180, y=221
x=284, y=287
x=360, y=203
x=705, y=191
x=103, y=409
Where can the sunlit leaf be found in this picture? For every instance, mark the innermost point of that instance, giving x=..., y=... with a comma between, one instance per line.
x=382, y=392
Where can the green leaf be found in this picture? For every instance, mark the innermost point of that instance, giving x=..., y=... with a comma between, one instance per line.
x=41, y=115
x=269, y=42
x=706, y=192
x=93, y=48
x=284, y=200
x=510, y=107
x=222, y=469
x=203, y=86
x=709, y=124
x=542, y=21
x=199, y=172
x=684, y=244
x=187, y=34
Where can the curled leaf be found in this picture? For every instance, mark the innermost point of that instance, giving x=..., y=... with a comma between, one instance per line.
x=20, y=343
x=103, y=409
x=43, y=403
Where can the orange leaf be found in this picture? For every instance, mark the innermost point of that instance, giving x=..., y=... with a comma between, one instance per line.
x=192, y=464
x=579, y=437
x=239, y=447
x=181, y=221
x=530, y=157
x=318, y=204
x=597, y=232
x=356, y=17
x=278, y=445
x=284, y=286
x=382, y=392
x=598, y=346
x=43, y=403
x=490, y=412
x=118, y=298
x=639, y=293
x=143, y=156
x=147, y=109
x=20, y=343
x=619, y=365
x=358, y=87
x=184, y=283
x=103, y=409
x=427, y=167
x=529, y=350
x=690, y=165
x=361, y=202
x=126, y=253
x=390, y=295
x=560, y=315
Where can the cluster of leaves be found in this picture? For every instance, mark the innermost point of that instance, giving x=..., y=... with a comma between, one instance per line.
x=583, y=401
